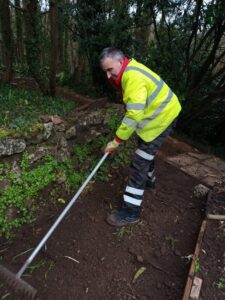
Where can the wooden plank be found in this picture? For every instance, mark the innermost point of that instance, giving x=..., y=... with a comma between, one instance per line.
x=191, y=273
x=196, y=288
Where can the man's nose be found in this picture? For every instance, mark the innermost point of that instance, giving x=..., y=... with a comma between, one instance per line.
x=108, y=75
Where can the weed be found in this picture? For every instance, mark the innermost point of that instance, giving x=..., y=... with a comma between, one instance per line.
x=171, y=240
x=121, y=232
x=74, y=180
x=18, y=196
x=50, y=267
x=37, y=266
x=220, y=284
x=81, y=152
x=114, y=121
x=197, y=266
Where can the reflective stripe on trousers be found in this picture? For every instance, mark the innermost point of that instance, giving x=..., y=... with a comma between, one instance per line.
x=141, y=165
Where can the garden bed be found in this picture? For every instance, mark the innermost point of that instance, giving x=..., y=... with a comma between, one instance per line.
x=88, y=259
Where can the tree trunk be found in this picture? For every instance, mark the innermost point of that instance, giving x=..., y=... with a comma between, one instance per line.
x=7, y=40
x=19, y=34
x=33, y=43
x=54, y=45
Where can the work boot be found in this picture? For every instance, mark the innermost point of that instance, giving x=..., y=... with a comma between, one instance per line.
x=128, y=215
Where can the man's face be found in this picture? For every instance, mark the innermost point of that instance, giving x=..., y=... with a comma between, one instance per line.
x=112, y=66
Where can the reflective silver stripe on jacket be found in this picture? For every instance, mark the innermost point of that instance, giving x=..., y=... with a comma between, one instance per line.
x=155, y=93
x=141, y=125
x=143, y=72
x=134, y=191
x=159, y=84
x=144, y=155
x=132, y=200
x=135, y=106
x=130, y=122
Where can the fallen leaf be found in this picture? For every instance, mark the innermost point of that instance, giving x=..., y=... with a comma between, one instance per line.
x=139, y=273
x=61, y=201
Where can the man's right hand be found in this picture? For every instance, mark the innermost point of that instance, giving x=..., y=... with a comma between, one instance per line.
x=111, y=147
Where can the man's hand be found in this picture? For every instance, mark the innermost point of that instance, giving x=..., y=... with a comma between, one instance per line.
x=111, y=147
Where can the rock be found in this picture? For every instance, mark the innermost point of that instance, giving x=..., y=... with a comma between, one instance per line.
x=56, y=120
x=4, y=183
x=61, y=179
x=71, y=132
x=200, y=191
x=38, y=154
x=63, y=153
x=140, y=258
x=45, y=118
x=60, y=127
x=43, y=135
x=93, y=118
x=16, y=169
x=12, y=146
x=47, y=130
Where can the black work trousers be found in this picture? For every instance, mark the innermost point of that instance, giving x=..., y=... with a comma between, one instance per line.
x=142, y=168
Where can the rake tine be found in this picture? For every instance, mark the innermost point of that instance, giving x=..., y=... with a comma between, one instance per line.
x=20, y=286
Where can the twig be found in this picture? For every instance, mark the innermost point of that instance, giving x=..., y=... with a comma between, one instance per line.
x=216, y=217
x=21, y=253
x=71, y=258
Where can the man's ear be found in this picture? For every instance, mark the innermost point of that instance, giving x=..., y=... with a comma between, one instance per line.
x=121, y=61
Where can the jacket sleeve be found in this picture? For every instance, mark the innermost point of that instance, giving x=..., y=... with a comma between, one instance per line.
x=134, y=97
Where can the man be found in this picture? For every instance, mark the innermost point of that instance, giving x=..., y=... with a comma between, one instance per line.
x=151, y=109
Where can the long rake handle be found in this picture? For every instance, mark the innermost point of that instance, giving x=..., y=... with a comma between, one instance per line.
x=59, y=219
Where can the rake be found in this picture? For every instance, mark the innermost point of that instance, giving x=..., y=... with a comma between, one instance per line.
x=15, y=281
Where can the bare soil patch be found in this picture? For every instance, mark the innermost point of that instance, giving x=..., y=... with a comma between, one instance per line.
x=88, y=259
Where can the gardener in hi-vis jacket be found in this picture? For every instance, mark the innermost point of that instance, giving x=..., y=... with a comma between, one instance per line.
x=151, y=109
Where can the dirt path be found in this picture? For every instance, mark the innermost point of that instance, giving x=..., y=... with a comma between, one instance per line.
x=87, y=259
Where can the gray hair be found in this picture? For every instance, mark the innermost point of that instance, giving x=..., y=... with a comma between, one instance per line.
x=110, y=52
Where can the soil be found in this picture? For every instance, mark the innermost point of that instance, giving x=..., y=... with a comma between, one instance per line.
x=86, y=258
x=212, y=255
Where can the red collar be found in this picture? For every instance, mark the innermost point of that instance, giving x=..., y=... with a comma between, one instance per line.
x=117, y=82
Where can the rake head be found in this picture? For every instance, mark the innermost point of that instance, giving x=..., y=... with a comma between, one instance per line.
x=18, y=285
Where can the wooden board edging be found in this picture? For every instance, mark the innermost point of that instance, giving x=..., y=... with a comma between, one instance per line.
x=191, y=273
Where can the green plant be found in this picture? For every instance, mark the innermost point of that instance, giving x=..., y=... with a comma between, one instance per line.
x=197, y=266
x=114, y=121
x=20, y=109
x=74, y=180
x=121, y=232
x=220, y=284
x=18, y=197
x=171, y=240
x=81, y=152
x=51, y=265
x=37, y=266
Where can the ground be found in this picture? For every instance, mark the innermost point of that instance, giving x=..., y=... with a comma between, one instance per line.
x=88, y=259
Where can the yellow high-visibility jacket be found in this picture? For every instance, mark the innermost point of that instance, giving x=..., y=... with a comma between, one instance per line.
x=151, y=106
